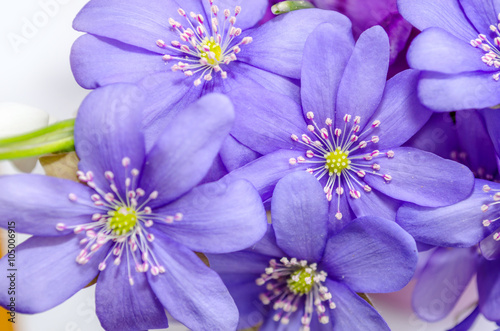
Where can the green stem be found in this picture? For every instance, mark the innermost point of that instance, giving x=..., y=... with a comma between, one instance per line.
x=51, y=139
x=288, y=6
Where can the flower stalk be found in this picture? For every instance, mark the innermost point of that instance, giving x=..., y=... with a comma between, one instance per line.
x=51, y=139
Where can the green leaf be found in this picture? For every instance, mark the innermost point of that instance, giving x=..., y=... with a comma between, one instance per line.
x=288, y=6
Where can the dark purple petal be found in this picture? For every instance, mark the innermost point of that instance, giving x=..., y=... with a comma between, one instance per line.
x=107, y=130
x=242, y=262
x=457, y=225
x=400, y=113
x=438, y=136
x=216, y=171
x=134, y=22
x=371, y=255
x=219, y=217
x=352, y=312
x=443, y=92
x=265, y=121
x=300, y=216
x=488, y=286
x=251, y=11
x=422, y=178
x=365, y=76
x=442, y=281
x=467, y=322
x=267, y=245
x=490, y=248
x=51, y=260
x=190, y=291
x=241, y=75
x=187, y=148
x=444, y=14
x=476, y=144
x=430, y=51
x=266, y=171
x=245, y=293
x=286, y=35
x=492, y=121
x=320, y=78
x=235, y=155
x=121, y=306
x=97, y=61
x=38, y=203
x=375, y=203
x=481, y=13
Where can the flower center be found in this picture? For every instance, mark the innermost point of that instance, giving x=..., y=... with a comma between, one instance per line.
x=337, y=161
x=300, y=282
x=204, y=46
x=213, y=51
x=492, y=56
x=338, y=157
x=122, y=220
x=291, y=282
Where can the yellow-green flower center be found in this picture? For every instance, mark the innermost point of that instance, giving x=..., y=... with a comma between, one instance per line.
x=337, y=161
x=301, y=281
x=122, y=220
x=214, y=48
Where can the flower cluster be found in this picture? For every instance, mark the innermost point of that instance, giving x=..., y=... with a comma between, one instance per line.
x=237, y=171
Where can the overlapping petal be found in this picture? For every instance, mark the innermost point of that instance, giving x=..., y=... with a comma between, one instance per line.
x=286, y=35
x=364, y=78
x=36, y=204
x=430, y=50
x=107, y=130
x=300, y=216
x=445, y=14
x=442, y=281
x=99, y=61
x=322, y=70
x=457, y=225
x=58, y=276
x=126, y=307
x=190, y=291
x=423, y=178
x=488, y=286
x=352, y=312
x=446, y=92
x=219, y=217
x=371, y=255
x=187, y=148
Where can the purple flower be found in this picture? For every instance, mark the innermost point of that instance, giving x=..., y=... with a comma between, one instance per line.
x=457, y=50
x=299, y=276
x=463, y=138
x=138, y=220
x=178, y=54
x=347, y=132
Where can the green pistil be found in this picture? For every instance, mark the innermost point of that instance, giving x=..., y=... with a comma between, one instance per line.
x=288, y=6
x=337, y=161
x=214, y=47
x=122, y=220
x=301, y=281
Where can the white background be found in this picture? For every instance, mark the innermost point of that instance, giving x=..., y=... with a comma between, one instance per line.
x=35, y=42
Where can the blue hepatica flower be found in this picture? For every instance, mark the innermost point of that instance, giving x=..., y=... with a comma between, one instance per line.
x=137, y=221
x=180, y=50
x=347, y=131
x=299, y=278
x=458, y=50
